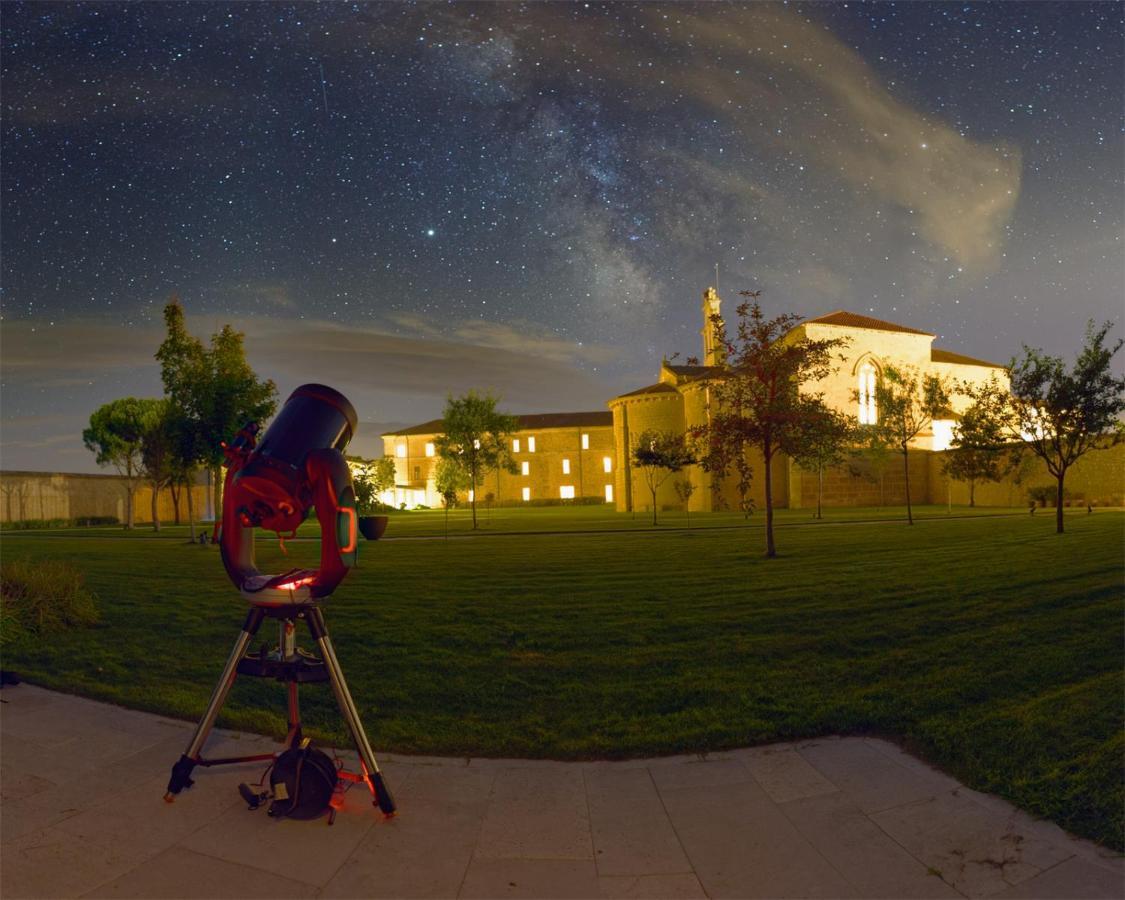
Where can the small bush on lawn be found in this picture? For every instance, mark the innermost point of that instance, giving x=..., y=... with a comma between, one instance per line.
x=43, y=596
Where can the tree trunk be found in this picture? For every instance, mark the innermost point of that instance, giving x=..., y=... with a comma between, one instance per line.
x=972, y=493
x=129, y=491
x=906, y=470
x=190, y=509
x=174, y=490
x=1059, y=503
x=653, y=489
x=155, y=500
x=771, y=550
x=819, y=488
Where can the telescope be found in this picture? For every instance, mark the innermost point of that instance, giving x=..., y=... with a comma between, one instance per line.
x=297, y=466
x=272, y=483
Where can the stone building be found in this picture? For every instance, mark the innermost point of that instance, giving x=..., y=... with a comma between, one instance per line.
x=560, y=456
x=681, y=399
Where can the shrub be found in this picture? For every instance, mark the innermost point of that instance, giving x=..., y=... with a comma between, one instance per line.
x=1045, y=495
x=43, y=596
x=81, y=522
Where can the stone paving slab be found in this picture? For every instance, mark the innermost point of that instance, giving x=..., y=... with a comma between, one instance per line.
x=81, y=814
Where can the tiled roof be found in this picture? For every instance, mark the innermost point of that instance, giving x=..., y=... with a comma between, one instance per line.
x=659, y=388
x=948, y=356
x=855, y=320
x=528, y=422
x=693, y=371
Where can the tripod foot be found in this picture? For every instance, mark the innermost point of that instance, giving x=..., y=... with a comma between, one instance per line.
x=181, y=777
x=383, y=798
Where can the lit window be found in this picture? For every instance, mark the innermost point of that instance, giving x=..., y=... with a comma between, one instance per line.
x=527, y=493
x=531, y=445
x=525, y=468
x=429, y=449
x=476, y=445
x=566, y=466
x=472, y=496
x=868, y=415
x=609, y=493
x=515, y=445
x=566, y=491
x=585, y=442
x=607, y=464
x=400, y=451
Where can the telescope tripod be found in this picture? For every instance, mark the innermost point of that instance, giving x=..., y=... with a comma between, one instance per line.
x=292, y=666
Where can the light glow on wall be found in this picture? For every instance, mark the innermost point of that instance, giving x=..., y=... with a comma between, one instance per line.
x=400, y=451
x=943, y=434
x=566, y=491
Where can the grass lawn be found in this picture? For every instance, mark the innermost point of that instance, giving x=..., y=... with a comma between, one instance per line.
x=992, y=646
x=543, y=519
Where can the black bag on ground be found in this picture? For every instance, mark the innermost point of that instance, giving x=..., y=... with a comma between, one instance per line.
x=303, y=779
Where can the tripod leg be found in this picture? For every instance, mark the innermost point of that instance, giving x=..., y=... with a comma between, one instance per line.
x=181, y=771
x=383, y=798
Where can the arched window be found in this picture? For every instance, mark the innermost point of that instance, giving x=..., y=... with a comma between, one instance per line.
x=868, y=414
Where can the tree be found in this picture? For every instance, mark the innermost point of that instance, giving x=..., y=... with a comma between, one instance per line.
x=449, y=478
x=230, y=395
x=1063, y=415
x=908, y=403
x=757, y=396
x=476, y=438
x=371, y=478
x=659, y=455
x=979, y=452
x=157, y=450
x=684, y=490
x=184, y=371
x=214, y=390
x=116, y=437
x=820, y=439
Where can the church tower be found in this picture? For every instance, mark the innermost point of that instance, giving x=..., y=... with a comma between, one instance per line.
x=713, y=354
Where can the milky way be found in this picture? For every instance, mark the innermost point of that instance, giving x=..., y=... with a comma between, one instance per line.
x=533, y=197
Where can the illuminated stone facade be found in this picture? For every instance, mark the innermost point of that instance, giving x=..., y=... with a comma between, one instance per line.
x=681, y=398
x=560, y=457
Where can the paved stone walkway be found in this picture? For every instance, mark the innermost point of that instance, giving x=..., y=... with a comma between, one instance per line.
x=82, y=815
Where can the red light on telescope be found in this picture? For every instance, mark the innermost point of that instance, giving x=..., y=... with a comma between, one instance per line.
x=293, y=585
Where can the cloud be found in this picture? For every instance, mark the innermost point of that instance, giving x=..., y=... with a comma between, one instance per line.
x=832, y=107
x=390, y=378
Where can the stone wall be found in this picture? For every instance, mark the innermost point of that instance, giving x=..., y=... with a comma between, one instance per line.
x=1097, y=478
x=64, y=495
x=864, y=481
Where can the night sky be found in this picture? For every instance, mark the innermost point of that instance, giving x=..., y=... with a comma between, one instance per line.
x=408, y=200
